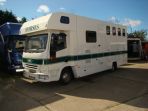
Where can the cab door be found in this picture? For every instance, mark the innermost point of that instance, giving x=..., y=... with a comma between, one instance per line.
x=59, y=46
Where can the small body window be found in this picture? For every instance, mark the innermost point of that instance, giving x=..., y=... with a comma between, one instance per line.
x=64, y=20
x=91, y=36
x=119, y=32
x=123, y=32
x=108, y=30
x=114, y=30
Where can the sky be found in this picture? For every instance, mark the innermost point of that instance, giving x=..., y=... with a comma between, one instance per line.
x=132, y=13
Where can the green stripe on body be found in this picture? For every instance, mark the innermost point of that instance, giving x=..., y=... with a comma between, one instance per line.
x=72, y=58
x=33, y=61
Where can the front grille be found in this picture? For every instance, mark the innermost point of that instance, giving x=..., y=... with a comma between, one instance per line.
x=30, y=66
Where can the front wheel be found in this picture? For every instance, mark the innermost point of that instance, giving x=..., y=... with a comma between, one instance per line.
x=66, y=77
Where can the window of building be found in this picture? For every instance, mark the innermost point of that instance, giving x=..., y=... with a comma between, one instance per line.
x=119, y=32
x=64, y=20
x=91, y=36
x=123, y=32
x=108, y=30
x=114, y=30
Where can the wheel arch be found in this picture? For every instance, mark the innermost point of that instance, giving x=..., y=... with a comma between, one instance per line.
x=66, y=68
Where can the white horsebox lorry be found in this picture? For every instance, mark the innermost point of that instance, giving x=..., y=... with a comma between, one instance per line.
x=62, y=46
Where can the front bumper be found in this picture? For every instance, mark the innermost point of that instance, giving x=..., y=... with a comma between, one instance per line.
x=16, y=69
x=38, y=77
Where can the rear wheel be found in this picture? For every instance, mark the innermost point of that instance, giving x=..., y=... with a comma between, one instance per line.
x=114, y=66
x=66, y=76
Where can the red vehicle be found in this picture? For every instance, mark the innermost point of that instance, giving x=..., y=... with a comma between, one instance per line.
x=145, y=49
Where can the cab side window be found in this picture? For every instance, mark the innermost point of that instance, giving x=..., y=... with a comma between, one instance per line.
x=58, y=42
x=61, y=41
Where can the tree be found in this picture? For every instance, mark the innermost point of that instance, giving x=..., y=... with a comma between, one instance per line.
x=7, y=16
x=142, y=34
x=23, y=20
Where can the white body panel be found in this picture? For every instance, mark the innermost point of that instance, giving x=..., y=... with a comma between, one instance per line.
x=82, y=54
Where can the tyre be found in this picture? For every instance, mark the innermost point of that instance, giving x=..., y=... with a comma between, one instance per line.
x=114, y=66
x=66, y=76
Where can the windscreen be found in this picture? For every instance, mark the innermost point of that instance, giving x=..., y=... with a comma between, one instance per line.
x=36, y=43
x=16, y=43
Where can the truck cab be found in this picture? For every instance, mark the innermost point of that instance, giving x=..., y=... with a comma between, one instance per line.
x=12, y=46
x=63, y=46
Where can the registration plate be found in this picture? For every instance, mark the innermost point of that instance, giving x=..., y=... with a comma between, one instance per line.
x=31, y=77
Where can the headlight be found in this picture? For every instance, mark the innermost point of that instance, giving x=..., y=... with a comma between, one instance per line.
x=17, y=67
